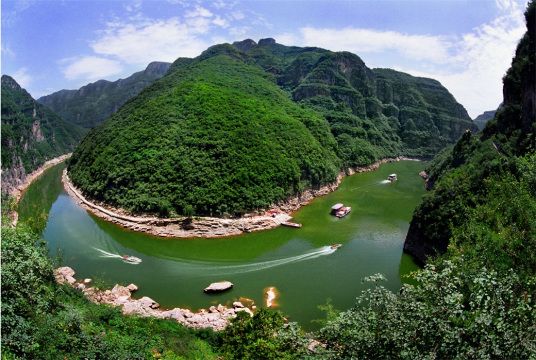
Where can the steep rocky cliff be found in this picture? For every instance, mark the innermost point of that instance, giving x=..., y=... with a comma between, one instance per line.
x=93, y=103
x=31, y=134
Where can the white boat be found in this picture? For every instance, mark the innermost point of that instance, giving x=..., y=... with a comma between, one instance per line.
x=131, y=259
x=392, y=177
x=291, y=224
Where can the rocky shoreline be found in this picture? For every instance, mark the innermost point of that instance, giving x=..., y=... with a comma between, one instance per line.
x=211, y=227
x=216, y=317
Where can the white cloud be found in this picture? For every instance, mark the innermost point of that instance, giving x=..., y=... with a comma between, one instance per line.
x=219, y=21
x=90, y=68
x=483, y=56
x=22, y=77
x=199, y=12
x=238, y=15
x=157, y=40
x=417, y=47
x=471, y=66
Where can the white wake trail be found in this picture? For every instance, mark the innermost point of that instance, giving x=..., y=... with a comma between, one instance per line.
x=238, y=269
x=107, y=254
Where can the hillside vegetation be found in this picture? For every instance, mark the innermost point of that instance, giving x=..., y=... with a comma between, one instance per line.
x=31, y=134
x=216, y=137
x=93, y=103
x=475, y=301
x=245, y=126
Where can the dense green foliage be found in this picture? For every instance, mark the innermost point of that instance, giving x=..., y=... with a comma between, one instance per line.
x=475, y=298
x=217, y=137
x=244, y=126
x=93, y=103
x=31, y=132
x=44, y=320
x=483, y=185
x=448, y=315
x=263, y=336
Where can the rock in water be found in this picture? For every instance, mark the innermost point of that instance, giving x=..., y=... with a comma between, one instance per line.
x=219, y=287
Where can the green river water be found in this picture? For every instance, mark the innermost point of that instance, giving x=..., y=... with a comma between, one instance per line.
x=299, y=263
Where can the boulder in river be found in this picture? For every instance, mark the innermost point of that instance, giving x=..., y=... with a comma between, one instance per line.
x=219, y=287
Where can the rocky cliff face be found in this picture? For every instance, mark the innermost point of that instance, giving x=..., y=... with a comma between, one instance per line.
x=93, y=103
x=31, y=134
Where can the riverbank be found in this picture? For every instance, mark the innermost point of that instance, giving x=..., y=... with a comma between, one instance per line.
x=211, y=227
x=17, y=191
x=216, y=317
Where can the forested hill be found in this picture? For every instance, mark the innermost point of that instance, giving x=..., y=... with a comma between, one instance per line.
x=394, y=112
x=484, y=194
x=31, y=134
x=218, y=136
x=244, y=126
x=93, y=103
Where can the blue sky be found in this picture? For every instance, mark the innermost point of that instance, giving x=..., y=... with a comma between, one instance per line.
x=49, y=45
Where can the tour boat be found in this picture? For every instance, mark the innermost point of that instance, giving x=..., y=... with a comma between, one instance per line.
x=391, y=177
x=335, y=208
x=291, y=224
x=343, y=212
x=131, y=259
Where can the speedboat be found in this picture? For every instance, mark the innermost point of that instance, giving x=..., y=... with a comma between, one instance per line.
x=335, y=246
x=291, y=224
x=392, y=177
x=131, y=259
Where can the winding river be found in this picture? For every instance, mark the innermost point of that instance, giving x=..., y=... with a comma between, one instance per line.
x=298, y=262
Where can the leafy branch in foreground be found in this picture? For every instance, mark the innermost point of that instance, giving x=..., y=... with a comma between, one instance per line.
x=450, y=314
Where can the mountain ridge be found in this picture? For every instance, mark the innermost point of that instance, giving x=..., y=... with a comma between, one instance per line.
x=31, y=134
x=94, y=102
x=306, y=113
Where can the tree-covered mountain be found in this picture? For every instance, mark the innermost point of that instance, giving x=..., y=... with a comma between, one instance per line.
x=244, y=126
x=31, y=134
x=215, y=137
x=393, y=112
x=484, y=185
x=483, y=118
x=93, y=103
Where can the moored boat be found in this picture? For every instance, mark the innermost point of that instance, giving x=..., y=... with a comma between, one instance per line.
x=291, y=224
x=131, y=259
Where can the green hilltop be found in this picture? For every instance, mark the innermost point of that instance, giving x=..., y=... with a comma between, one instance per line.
x=215, y=137
x=31, y=134
x=246, y=125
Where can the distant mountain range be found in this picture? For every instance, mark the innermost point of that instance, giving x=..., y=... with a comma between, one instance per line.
x=248, y=124
x=93, y=103
x=483, y=118
x=31, y=134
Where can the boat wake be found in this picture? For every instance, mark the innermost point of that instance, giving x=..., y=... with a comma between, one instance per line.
x=226, y=269
x=106, y=254
x=386, y=181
